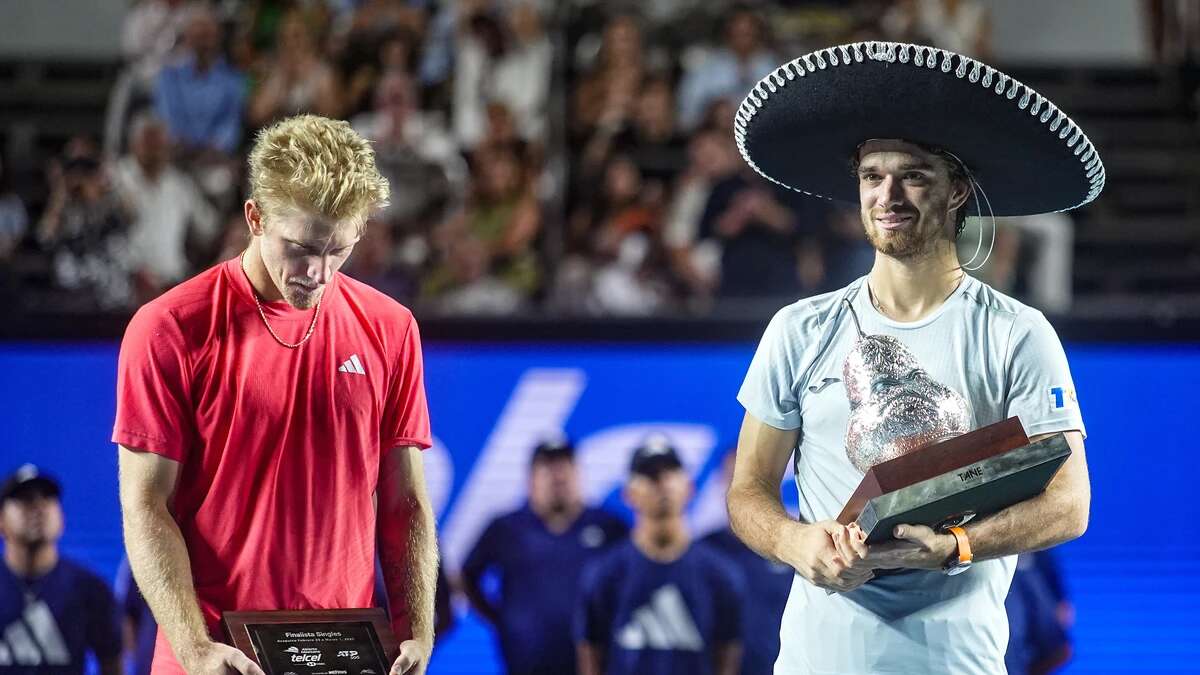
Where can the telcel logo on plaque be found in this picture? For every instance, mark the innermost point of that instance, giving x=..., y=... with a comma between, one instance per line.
x=316, y=642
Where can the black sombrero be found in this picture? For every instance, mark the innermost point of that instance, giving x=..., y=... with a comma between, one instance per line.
x=801, y=124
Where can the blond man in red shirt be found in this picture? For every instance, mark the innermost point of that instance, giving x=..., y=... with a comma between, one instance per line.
x=270, y=417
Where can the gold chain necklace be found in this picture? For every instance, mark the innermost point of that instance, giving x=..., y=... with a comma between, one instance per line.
x=311, y=327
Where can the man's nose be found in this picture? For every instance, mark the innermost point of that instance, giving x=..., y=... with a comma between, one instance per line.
x=891, y=192
x=320, y=270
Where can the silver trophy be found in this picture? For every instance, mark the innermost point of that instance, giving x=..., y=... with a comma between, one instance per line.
x=895, y=406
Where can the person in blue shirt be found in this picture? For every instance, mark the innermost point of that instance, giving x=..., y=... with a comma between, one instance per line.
x=659, y=603
x=767, y=587
x=201, y=97
x=139, y=627
x=534, y=555
x=52, y=610
x=1038, y=617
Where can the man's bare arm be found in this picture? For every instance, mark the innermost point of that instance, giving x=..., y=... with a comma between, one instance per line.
x=757, y=516
x=408, y=553
x=1057, y=515
x=756, y=513
x=589, y=658
x=160, y=565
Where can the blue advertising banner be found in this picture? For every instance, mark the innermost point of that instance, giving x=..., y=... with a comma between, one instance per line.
x=1133, y=577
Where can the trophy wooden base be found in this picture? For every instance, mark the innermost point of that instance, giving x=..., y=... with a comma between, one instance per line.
x=951, y=482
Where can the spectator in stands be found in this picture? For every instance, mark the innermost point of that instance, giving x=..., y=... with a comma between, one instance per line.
x=501, y=132
x=696, y=260
x=200, y=97
x=504, y=216
x=522, y=77
x=166, y=207
x=465, y=284
x=365, y=65
x=535, y=555
x=961, y=26
x=729, y=72
x=85, y=228
x=606, y=94
x=14, y=219
x=756, y=233
x=659, y=603
x=376, y=21
x=505, y=60
x=378, y=262
x=649, y=137
x=437, y=52
x=767, y=587
x=653, y=140
x=420, y=159
x=151, y=33
x=298, y=78
x=53, y=611
x=618, y=243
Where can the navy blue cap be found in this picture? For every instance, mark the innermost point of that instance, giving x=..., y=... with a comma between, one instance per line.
x=654, y=455
x=29, y=479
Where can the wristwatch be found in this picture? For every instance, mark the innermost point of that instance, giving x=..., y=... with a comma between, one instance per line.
x=960, y=561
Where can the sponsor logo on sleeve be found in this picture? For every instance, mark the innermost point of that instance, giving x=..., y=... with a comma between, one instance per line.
x=1061, y=398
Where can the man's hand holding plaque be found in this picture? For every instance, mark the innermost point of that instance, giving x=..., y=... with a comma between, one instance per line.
x=828, y=556
x=215, y=658
x=413, y=658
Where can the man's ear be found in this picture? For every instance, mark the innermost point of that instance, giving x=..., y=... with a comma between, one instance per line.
x=254, y=218
x=960, y=192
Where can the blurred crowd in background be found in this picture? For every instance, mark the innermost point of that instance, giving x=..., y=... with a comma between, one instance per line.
x=560, y=158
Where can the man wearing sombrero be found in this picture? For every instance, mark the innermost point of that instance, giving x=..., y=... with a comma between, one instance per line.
x=915, y=351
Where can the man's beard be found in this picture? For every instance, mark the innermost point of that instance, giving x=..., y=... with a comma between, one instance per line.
x=917, y=240
x=906, y=243
x=301, y=300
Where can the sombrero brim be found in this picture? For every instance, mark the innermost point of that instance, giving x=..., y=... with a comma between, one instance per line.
x=800, y=126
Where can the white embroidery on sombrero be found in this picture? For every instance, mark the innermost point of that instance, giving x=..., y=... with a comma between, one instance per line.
x=921, y=55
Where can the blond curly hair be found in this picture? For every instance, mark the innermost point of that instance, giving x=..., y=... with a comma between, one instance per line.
x=316, y=164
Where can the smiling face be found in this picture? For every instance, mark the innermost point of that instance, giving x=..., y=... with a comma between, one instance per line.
x=907, y=198
x=301, y=249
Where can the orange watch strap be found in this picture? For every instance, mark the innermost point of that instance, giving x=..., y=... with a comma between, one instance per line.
x=964, y=545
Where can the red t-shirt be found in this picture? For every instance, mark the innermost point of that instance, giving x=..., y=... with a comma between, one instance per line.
x=279, y=448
